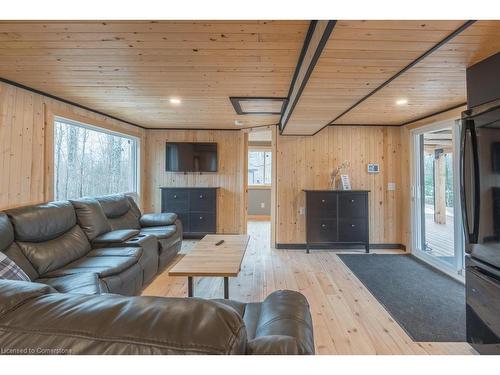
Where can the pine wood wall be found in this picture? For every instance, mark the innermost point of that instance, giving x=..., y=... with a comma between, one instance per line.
x=306, y=163
x=26, y=129
x=230, y=177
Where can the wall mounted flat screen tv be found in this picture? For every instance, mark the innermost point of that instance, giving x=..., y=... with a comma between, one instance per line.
x=191, y=157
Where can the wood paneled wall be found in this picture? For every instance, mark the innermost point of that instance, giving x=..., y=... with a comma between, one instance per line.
x=306, y=162
x=230, y=177
x=26, y=141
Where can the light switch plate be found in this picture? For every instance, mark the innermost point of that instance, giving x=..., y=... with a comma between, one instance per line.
x=262, y=205
x=391, y=186
x=301, y=210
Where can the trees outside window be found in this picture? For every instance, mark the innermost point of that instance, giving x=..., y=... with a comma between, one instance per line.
x=90, y=161
x=259, y=167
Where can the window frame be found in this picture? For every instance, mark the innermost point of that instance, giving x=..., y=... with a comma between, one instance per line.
x=261, y=149
x=136, y=144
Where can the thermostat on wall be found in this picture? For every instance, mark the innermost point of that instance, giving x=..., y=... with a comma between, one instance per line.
x=373, y=168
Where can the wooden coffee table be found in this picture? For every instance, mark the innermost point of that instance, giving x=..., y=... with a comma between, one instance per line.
x=208, y=260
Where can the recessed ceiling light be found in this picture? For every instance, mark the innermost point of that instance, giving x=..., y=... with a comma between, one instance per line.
x=238, y=122
x=175, y=101
x=402, y=101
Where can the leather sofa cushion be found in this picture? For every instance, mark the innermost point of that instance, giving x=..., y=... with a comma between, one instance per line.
x=91, y=217
x=81, y=283
x=116, y=236
x=42, y=222
x=102, y=265
x=160, y=232
x=53, y=254
x=112, y=324
x=133, y=206
x=14, y=293
x=6, y=232
x=116, y=252
x=15, y=253
x=161, y=219
x=10, y=248
x=126, y=221
x=114, y=205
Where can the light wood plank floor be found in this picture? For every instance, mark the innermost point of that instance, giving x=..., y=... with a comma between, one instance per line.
x=347, y=318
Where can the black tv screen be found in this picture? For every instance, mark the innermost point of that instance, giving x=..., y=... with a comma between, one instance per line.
x=191, y=157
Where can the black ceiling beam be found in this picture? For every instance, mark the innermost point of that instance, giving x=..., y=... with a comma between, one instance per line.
x=406, y=68
x=292, y=102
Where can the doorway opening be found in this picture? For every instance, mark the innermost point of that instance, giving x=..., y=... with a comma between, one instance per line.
x=437, y=234
x=260, y=179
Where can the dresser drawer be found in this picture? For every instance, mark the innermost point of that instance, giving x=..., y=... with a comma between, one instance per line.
x=202, y=222
x=201, y=200
x=322, y=205
x=184, y=218
x=353, y=230
x=175, y=200
x=353, y=205
x=322, y=230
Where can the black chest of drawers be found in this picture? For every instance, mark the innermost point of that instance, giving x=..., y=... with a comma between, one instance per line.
x=337, y=217
x=195, y=207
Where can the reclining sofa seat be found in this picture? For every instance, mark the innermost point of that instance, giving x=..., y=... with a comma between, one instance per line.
x=93, y=221
x=122, y=213
x=52, y=248
x=35, y=317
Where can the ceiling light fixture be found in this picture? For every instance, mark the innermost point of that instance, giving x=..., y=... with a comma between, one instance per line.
x=175, y=101
x=402, y=101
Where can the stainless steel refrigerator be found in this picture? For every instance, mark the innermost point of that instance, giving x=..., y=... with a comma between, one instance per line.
x=480, y=196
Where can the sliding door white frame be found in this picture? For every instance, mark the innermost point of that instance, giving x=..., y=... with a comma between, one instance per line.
x=417, y=206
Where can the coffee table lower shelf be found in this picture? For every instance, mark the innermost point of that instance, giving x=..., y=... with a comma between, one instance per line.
x=191, y=287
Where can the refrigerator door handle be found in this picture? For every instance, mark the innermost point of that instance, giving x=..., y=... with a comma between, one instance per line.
x=469, y=128
x=477, y=193
x=465, y=215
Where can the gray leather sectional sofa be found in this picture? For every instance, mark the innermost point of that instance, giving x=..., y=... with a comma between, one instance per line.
x=87, y=258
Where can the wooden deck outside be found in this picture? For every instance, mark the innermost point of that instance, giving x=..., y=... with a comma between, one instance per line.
x=439, y=238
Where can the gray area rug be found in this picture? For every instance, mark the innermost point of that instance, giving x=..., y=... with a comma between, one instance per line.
x=428, y=304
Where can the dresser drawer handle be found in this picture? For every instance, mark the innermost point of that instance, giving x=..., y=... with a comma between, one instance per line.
x=323, y=225
x=175, y=196
x=323, y=201
x=353, y=225
x=201, y=196
x=201, y=217
x=352, y=200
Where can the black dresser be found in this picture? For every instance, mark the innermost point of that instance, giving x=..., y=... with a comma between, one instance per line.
x=337, y=218
x=196, y=208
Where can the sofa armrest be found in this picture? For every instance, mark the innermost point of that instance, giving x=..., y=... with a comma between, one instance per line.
x=157, y=220
x=284, y=325
x=115, y=236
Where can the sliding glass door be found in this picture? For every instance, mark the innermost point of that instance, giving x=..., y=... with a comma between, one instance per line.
x=437, y=234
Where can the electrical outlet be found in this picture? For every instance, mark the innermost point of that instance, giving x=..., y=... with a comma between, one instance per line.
x=262, y=205
x=302, y=210
x=391, y=186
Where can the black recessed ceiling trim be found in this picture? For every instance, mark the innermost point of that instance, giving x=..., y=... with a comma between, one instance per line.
x=312, y=64
x=235, y=100
x=406, y=68
x=39, y=92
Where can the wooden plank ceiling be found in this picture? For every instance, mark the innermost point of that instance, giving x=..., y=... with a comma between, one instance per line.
x=361, y=55
x=131, y=69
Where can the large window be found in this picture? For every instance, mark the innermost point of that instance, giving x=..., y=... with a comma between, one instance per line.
x=259, y=167
x=92, y=161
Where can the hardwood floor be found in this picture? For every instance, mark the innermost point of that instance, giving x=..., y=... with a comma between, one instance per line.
x=347, y=318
